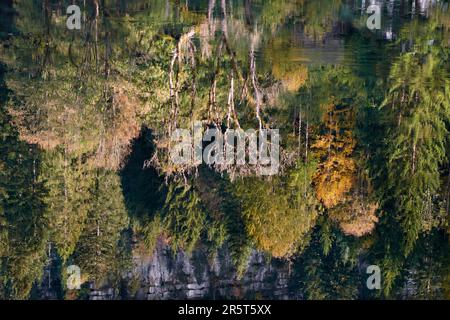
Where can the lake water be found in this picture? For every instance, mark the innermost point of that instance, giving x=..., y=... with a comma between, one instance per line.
x=92, y=205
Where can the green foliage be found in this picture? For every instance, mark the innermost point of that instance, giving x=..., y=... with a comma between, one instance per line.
x=330, y=275
x=23, y=225
x=184, y=216
x=97, y=246
x=151, y=233
x=188, y=221
x=418, y=105
x=73, y=176
x=279, y=227
x=69, y=183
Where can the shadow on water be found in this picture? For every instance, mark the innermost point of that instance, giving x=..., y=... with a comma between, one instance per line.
x=143, y=189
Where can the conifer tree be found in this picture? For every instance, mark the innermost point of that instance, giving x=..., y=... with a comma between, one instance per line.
x=98, y=244
x=418, y=105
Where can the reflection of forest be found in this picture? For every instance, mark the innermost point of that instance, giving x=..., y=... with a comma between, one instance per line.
x=86, y=119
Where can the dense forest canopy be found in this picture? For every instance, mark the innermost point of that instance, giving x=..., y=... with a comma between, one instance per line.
x=87, y=116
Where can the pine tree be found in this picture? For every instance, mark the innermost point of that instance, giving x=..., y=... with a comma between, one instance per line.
x=98, y=244
x=185, y=217
x=69, y=182
x=419, y=108
x=23, y=230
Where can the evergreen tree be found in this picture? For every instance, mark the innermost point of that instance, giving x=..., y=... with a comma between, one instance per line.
x=418, y=104
x=97, y=246
x=69, y=182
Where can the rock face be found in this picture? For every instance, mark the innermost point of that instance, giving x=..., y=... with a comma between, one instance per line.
x=164, y=275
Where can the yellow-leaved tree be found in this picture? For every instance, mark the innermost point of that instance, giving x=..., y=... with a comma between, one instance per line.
x=336, y=173
x=279, y=213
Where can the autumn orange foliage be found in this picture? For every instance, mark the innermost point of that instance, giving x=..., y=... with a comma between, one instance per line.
x=337, y=181
x=106, y=137
x=337, y=169
x=357, y=217
x=292, y=78
x=114, y=144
